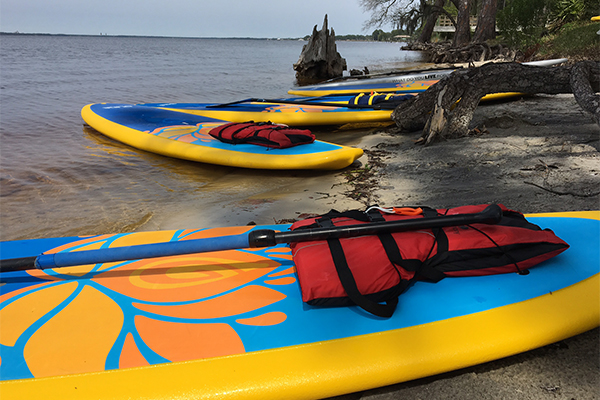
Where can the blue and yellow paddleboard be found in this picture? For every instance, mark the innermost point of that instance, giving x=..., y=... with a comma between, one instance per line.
x=400, y=87
x=183, y=134
x=409, y=83
x=293, y=112
x=231, y=324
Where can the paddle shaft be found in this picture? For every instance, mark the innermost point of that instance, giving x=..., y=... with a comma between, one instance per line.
x=254, y=239
x=399, y=73
x=308, y=103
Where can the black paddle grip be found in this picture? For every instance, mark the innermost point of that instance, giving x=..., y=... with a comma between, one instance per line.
x=262, y=238
x=17, y=264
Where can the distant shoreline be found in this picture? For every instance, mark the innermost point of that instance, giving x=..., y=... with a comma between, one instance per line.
x=141, y=36
x=341, y=38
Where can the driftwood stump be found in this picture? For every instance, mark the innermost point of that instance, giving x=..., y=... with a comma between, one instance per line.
x=319, y=59
x=441, y=115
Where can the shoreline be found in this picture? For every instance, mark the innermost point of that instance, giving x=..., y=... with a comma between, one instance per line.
x=534, y=154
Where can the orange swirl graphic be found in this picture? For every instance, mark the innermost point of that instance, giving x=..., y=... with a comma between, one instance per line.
x=294, y=109
x=187, y=277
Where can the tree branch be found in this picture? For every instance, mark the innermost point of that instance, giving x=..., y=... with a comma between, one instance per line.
x=583, y=76
x=436, y=112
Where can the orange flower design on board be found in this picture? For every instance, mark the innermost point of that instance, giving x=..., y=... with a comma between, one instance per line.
x=291, y=108
x=187, y=133
x=128, y=314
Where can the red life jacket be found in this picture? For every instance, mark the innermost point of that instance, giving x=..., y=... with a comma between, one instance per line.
x=262, y=134
x=369, y=270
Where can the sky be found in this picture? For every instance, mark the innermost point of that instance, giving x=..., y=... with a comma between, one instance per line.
x=182, y=18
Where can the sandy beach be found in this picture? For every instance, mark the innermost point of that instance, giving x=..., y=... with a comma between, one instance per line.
x=536, y=154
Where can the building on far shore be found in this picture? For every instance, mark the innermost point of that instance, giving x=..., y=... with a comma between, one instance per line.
x=444, y=24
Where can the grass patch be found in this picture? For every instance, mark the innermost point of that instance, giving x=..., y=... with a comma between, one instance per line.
x=576, y=41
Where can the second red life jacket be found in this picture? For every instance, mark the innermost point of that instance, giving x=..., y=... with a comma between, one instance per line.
x=263, y=134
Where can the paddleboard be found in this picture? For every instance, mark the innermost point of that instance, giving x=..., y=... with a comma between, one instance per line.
x=409, y=83
x=183, y=134
x=303, y=113
x=231, y=324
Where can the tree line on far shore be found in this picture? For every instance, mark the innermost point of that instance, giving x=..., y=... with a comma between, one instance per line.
x=378, y=35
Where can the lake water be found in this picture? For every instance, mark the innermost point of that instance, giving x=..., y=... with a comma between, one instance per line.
x=60, y=178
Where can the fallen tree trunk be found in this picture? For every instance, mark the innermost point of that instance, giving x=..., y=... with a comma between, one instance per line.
x=437, y=112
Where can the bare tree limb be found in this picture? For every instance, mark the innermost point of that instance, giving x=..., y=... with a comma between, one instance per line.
x=436, y=110
x=582, y=76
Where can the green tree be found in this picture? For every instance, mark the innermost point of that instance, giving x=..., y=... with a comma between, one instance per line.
x=523, y=21
x=378, y=35
x=430, y=15
x=402, y=14
x=572, y=10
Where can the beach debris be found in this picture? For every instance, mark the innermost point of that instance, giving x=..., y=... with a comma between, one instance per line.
x=551, y=389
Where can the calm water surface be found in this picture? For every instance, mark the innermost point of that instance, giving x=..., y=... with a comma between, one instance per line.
x=60, y=178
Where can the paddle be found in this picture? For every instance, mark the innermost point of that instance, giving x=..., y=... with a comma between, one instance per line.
x=399, y=73
x=379, y=106
x=253, y=239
